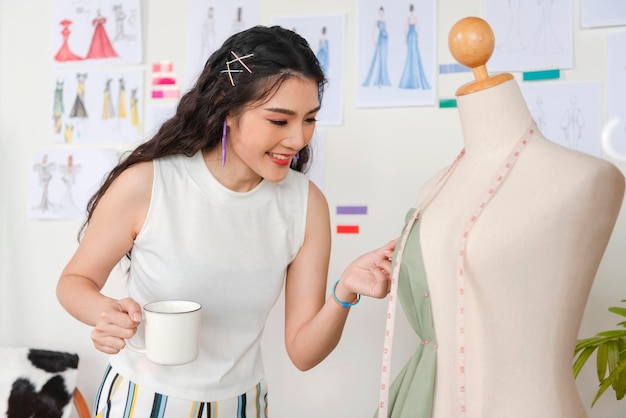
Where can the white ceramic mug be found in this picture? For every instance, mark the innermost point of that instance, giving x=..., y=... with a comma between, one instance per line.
x=172, y=332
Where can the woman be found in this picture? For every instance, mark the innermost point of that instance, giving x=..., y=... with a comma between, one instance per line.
x=215, y=208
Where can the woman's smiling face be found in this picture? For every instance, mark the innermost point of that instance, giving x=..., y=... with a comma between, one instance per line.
x=266, y=137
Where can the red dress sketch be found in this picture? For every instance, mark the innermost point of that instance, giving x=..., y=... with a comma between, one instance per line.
x=100, y=44
x=65, y=54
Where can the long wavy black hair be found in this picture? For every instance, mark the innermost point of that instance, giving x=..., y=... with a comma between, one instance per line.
x=279, y=54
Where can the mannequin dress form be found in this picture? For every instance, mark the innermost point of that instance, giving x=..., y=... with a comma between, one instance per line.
x=528, y=261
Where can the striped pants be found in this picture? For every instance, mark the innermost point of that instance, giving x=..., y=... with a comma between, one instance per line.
x=120, y=398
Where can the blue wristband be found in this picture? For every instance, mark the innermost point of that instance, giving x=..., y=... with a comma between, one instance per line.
x=342, y=303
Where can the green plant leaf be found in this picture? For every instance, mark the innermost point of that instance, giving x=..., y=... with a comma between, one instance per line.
x=617, y=333
x=613, y=360
x=619, y=311
x=607, y=382
x=620, y=387
x=611, y=355
x=583, y=344
x=589, y=342
x=601, y=361
x=582, y=359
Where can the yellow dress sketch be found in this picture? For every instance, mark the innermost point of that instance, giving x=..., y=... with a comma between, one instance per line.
x=58, y=108
x=69, y=129
x=108, y=111
x=121, y=99
x=134, y=111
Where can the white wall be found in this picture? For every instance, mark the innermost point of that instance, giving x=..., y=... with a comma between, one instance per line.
x=380, y=157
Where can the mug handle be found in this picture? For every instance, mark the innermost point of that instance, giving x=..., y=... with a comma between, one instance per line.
x=141, y=350
x=133, y=347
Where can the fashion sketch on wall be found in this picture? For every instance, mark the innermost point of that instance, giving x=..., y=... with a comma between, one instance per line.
x=97, y=32
x=325, y=34
x=378, y=74
x=322, y=50
x=413, y=75
x=531, y=35
x=396, y=53
x=568, y=113
x=104, y=105
x=62, y=180
x=211, y=22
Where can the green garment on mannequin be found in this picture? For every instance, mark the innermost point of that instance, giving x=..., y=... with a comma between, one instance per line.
x=412, y=392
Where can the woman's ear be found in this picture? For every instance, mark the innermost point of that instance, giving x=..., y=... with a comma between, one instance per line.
x=230, y=120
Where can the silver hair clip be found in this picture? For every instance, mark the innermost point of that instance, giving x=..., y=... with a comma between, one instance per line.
x=237, y=59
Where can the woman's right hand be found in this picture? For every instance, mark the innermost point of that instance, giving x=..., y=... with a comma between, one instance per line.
x=117, y=323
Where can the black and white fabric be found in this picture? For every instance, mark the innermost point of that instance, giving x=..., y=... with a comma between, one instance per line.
x=36, y=383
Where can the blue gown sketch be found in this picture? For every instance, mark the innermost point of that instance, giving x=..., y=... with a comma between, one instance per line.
x=322, y=53
x=413, y=76
x=377, y=74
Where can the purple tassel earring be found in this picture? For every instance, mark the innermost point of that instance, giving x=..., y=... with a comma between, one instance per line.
x=224, y=144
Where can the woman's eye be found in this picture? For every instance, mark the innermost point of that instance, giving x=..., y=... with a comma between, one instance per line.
x=279, y=122
x=310, y=120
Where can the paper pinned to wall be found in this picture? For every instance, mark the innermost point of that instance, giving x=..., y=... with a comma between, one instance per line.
x=598, y=13
x=530, y=35
x=62, y=180
x=97, y=33
x=397, y=45
x=103, y=105
x=211, y=22
x=568, y=113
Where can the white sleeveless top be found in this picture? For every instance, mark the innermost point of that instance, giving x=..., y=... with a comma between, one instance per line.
x=228, y=251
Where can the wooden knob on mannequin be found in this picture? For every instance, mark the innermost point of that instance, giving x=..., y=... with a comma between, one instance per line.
x=471, y=42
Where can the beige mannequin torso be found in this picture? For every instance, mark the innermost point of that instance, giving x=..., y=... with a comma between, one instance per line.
x=530, y=262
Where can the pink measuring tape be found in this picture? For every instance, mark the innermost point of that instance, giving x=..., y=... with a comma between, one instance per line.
x=383, y=406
